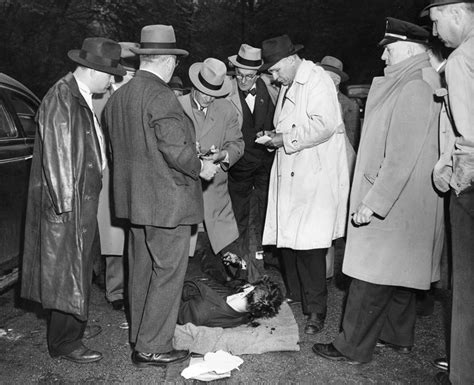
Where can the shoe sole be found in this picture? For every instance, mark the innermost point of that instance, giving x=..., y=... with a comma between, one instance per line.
x=339, y=359
x=444, y=368
x=143, y=365
x=81, y=361
x=394, y=348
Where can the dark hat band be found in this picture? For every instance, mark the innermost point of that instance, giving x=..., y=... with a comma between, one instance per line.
x=205, y=83
x=157, y=45
x=249, y=63
x=90, y=57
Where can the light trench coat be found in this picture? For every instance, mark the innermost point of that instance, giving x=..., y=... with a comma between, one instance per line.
x=309, y=181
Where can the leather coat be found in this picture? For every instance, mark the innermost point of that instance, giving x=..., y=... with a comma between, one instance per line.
x=61, y=220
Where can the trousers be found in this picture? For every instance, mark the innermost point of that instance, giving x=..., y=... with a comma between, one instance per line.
x=64, y=333
x=158, y=258
x=461, y=368
x=375, y=312
x=305, y=273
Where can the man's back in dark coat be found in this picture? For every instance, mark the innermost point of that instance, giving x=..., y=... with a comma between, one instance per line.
x=155, y=164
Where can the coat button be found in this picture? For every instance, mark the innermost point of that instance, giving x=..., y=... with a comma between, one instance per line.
x=90, y=164
x=293, y=125
x=292, y=173
x=88, y=132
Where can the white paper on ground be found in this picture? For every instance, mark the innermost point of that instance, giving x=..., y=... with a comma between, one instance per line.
x=212, y=366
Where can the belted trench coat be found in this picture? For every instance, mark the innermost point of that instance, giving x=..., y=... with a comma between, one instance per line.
x=309, y=180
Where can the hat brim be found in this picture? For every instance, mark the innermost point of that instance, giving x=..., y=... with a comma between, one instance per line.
x=235, y=63
x=342, y=74
x=194, y=77
x=266, y=66
x=159, y=51
x=74, y=56
x=426, y=10
x=390, y=40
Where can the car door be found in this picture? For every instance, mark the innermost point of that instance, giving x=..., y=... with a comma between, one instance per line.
x=17, y=131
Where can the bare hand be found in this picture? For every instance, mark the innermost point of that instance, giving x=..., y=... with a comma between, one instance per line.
x=277, y=139
x=208, y=170
x=218, y=156
x=362, y=215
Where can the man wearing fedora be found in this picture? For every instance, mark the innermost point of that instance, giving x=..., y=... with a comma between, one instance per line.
x=349, y=107
x=453, y=23
x=156, y=187
x=111, y=229
x=250, y=175
x=396, y=212
x=65, y=182
x=309, y=181
x=218, y=134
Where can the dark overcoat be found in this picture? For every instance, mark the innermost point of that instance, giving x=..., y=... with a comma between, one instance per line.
x=61, y=219
x=153, y=147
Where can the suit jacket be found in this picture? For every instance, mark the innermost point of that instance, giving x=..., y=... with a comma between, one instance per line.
x=203, y=306
x=153, y=149
x=218, y=127
x=263, y=112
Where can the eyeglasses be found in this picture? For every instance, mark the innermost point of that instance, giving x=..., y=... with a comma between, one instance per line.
x=245, y=77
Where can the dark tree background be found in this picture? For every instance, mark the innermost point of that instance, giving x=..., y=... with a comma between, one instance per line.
x=37, y=34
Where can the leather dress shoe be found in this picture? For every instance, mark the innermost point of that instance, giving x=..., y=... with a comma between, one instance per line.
x=397, y=348
x=442, y=378
x=143, y=360
x=329, y=352
x=83, y=355
x=91, y=331
x=117, y=304
x=441, y=363
x=314, y=324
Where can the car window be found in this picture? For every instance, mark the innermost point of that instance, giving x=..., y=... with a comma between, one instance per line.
x=25, y=110
x=7, y=128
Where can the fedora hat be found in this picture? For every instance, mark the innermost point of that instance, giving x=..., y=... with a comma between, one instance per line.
x=399, y=30
x=210, y=78
x=158, y=39
x=437, y=3
x=333, y=64
x=248, y=57
x=100, y=54
x=129, y=60
x=177, y=84
x=277, y=48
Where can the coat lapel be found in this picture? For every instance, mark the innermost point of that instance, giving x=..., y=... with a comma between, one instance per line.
x=285, y=104
x=235, y=99
x=261, y=104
